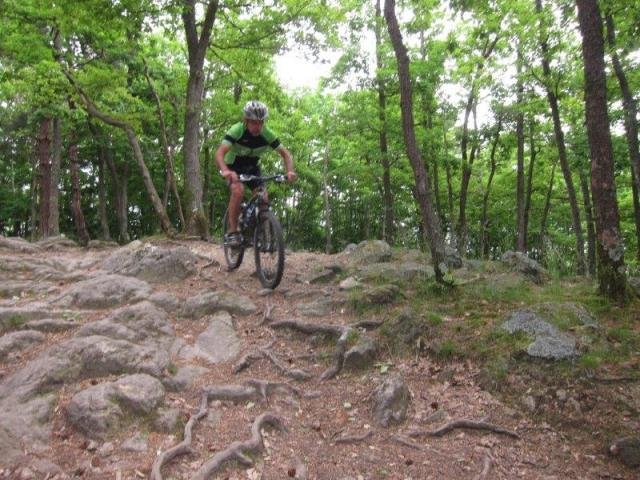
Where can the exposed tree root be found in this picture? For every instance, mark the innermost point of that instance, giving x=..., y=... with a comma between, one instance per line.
x=368, y=324
x=406, y=442
x=266, y=352
x=485, y=468
x=471, y=424
x=240, y=450
x=342, y=333
x=266, y=317
x=183, y=447
x=251, y=390
x=354, y=438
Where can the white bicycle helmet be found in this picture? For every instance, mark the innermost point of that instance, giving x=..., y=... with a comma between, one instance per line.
x=255, y=110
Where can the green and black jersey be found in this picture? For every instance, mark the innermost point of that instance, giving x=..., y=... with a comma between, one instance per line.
x=245, y=148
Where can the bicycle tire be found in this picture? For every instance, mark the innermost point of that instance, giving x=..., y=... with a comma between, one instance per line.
x=233, y=255
x=268, y=247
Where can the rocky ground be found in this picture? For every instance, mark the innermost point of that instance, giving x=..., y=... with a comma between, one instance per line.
x=153, y=361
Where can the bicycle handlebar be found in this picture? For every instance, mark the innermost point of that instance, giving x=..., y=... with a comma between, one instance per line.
x=278, y=178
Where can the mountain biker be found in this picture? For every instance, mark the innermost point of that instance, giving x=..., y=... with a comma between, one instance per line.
x=239, y=153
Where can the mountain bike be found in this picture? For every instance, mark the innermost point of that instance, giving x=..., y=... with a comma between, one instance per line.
x=259, y=228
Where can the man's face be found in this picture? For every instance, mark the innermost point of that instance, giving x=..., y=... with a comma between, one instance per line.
x=254, y=126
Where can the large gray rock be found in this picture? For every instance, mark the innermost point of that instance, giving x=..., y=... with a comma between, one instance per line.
x=152, y=263
x=549, y=342
x=17, y=244
x=213, y=302
x=362, y=354
x=219, y=342
x=525, y=265
x=104, y=291
x=141, y=343
x=16, y=341
x=627, y=450
x=396, y=271
x=51, y=325
x=100, y=409
x=12, y=318
x=319, y=307
x=391, y=401
x=368, y=252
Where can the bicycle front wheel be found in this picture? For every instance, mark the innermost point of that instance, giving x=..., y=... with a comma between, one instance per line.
x=268, y=246
x=233, y=255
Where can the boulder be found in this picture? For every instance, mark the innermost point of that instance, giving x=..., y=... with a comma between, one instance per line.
x=152, y=263
x=526, y=266
x=391, y=401
x=362, y=354
x=367, y=252
x=213, y=302
x=104, y=291
x=15, y=341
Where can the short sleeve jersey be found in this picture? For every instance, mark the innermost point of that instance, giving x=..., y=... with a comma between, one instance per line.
x=245, y=145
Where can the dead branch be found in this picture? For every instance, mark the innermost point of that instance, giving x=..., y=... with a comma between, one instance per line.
x=334, y=330
x=240, y=450
x=471, y=424
x=183, y=447
x=354, y=438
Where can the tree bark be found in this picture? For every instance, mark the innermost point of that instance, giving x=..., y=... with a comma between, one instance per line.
x=560, y=145
x=102, y=194
x=529, y=189
x=137, y=154
x=167, y=151
x=630, y=123
x=521, y=238
x=591, y=233
x=387, y=192
x=484, y=222
x=44, y=166
x=196, y=221
x=76, y=195
x=54, y=192
x=430, y=220
x=612, y=281
x=328, y=244
x=545, y=214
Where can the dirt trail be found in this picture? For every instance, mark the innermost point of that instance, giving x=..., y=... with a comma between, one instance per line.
x=329, y=430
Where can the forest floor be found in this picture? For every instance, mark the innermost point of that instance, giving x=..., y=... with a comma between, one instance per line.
x=564, y=414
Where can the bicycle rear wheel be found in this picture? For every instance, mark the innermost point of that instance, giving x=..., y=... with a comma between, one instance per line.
x=233, y=255
x=268, y=246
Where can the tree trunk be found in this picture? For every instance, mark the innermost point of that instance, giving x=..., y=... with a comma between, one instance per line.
x=76, y=195
x=545, y=214
x=591, y=233
x=196, y=222
x=102, y=195
x=44, y=165
x=630, y=123
x=91, y=108
x=387, y=192
x=167, y=152
x=484, y=222
x=430, y=220
x=54, y=193
x=35, y=182
x=562, y=153
x=521, y=239
x=529, y=189
x=328, y=246
x=612, y=281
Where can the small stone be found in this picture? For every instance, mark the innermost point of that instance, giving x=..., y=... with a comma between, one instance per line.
x=530, y=403
x=106, y=449
x=561, y=395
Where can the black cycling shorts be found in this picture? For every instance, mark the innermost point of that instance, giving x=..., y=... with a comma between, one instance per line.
x=248, y=166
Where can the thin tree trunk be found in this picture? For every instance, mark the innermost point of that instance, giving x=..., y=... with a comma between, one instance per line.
x=44, y=165
x=529, y=189
x=328, y=245
x=612, y=281
x=35, y=182
x=102, y=195
x=591, y=233
x=562, y=153
x=630, y=123
x=430, y=220
x=545, y=214
x=196, y=222
x=447, y=168
x=54, y=192
x=521, y=238
x=387, y=192
x=137, y=154
x=484, y=222
x=76, y=195
x=167, y=151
